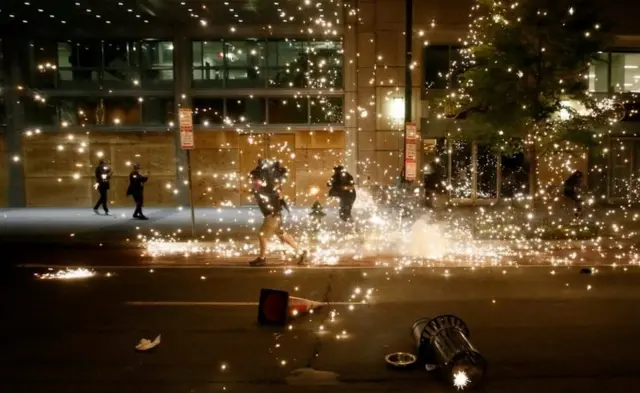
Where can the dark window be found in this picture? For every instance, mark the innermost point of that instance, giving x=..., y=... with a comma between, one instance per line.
x=86, y=54
x=46, y=63
x=245, y=63
x=288, y=110
x=273, y=63
x=631, y=111
x=208, y=63
x=246, y=110
x=461, y=169
x=156, y=62
x=108, y=111
x=440, y=64
x=327, y=110
x=208, y=111
x=325, y=64
x=157, y=110
x=514, y=176
x=284, y=53
x=37, y=113
x=102, y=63
x=288, y=66
x=3, y=113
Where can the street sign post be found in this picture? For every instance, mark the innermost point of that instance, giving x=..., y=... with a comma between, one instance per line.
x=187, y=143
x=411, y=153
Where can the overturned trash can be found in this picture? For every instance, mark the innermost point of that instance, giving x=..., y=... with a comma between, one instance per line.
x=444, y=341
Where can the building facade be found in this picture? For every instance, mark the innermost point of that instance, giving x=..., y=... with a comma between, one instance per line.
x=314, y=85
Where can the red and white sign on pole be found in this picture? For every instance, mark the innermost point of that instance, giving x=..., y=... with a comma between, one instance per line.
x=411, y=143
x=186, y=129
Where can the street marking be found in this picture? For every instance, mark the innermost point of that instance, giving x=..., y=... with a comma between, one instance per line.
x=441, y=265
x=223, y=304
x=268, y=267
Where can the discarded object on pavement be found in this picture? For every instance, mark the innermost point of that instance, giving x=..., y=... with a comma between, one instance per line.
x=277, y=307
x=443, y=341
x=586, y=270
x=400, y=359
x=311, y=377
x=145, y=344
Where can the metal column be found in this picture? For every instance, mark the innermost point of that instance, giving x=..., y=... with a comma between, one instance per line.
x=408, y=43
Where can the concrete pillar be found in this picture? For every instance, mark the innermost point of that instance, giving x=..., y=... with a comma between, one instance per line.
x=15, y=63
x=350, y=79
x=182, y=84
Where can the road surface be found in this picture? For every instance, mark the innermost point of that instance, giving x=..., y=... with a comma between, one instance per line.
x=540, y=328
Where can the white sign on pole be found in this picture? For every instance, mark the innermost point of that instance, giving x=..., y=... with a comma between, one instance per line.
x=186, y=129
x=411, y=150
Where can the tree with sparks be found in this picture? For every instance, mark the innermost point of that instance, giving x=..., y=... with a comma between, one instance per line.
x=524, y=74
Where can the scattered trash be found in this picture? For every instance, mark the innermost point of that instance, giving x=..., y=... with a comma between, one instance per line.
x=145, y=344
x=400, y=359
x=430, y=367
x=277, y=307
x=444, y=345
x=310, y=376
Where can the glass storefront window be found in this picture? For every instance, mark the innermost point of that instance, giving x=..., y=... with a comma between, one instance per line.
x=285, y=63
x=157, y=111
x=327, y=110
x=246, y=110
x=461, y=169
x=294, y=110
x=157, y=54
x=598, y=74
x=208, y=111
x=283, y=53
x=39, y=113
x=208, y=63
x=101, y=63
x=100, y=111
x=439, y=61
x=108, y=111
x=625, y=72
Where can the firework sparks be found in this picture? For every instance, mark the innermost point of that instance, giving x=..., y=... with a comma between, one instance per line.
x=460, y=380
x=67, y=274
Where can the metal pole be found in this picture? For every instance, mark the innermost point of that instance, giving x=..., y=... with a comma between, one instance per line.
x=193, y=216
x=408, y=43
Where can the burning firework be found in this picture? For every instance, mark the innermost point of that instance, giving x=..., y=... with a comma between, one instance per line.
x=460, y=380
x=67, y=274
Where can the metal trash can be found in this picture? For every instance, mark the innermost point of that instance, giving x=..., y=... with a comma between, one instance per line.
x=444, y=341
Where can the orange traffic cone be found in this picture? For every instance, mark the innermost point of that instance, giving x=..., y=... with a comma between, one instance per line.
x=300, y=306
x=277, y=307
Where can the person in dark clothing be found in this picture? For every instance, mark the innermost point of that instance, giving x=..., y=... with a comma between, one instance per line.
x=431, y=182
x=266, y=181
x=136, y=190
x=342, y=186
x=572, y=191
x=103, y=177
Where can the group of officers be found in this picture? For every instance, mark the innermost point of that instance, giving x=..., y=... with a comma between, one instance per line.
x=267, y=180
x=103, y=175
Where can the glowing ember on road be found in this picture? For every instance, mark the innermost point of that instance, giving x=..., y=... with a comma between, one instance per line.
x=460, y=380
x=67, y=274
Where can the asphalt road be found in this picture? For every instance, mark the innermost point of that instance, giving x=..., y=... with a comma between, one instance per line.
x=541, y=329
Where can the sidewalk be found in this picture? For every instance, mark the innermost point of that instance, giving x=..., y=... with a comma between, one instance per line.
x=70, y=227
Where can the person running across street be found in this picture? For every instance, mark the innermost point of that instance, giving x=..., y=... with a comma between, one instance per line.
x=266, y=182
x=572, y=191
x=342, y=186
x=136, y=190
x=103, y=177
